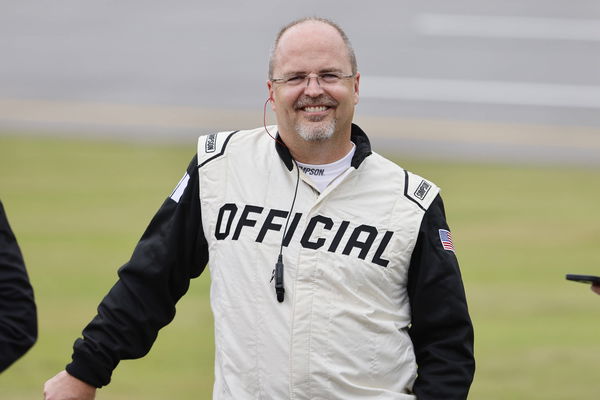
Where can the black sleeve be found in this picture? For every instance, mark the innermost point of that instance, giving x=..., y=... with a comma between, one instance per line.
x=18, y=317
x=441, y=328
x=171, y=251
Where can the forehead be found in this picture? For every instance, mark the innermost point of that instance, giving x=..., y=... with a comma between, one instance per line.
x=311, y=46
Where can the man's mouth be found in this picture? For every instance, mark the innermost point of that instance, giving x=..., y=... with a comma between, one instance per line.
x=315, y=105
x=314, y=109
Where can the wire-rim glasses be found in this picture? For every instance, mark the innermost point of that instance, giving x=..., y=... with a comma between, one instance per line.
x=323, y=79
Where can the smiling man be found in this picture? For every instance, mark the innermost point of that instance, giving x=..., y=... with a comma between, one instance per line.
x=333, y=271
x=313, y=85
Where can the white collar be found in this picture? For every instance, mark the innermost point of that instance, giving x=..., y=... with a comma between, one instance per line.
x=323, y=174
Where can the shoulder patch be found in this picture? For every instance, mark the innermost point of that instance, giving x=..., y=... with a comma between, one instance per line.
x=446, y=240
x=178, y=191
x=422, y=189
x=419, y=190
x=212, y=146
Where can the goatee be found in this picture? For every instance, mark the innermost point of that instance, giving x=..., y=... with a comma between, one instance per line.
x=315, y=132
x=317, y=128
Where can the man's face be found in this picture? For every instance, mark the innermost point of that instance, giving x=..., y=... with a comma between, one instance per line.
x=316, y=111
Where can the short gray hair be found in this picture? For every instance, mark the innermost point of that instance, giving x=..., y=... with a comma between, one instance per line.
x=351, y=54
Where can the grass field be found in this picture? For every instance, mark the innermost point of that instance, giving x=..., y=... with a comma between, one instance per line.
x=78, y=207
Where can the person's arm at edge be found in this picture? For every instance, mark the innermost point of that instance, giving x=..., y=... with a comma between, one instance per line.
x=441, y=329
x=18, y=315
x=172, y=251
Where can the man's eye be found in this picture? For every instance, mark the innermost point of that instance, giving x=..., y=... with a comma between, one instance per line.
x=329, y=77
x=295, y=79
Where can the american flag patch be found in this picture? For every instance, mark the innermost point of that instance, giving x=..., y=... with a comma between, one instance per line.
x=446, y=239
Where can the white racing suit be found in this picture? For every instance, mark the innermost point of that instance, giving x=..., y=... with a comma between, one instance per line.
x=374, y=306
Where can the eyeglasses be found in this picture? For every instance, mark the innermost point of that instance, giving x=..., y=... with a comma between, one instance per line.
x=323, y=79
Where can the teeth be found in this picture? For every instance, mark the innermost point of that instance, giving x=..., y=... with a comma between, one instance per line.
x=315, y=109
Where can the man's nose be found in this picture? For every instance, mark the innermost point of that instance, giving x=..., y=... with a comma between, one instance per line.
x=313, y=86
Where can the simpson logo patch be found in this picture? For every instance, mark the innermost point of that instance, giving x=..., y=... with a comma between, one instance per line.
x=422, y=190
x=211, y=143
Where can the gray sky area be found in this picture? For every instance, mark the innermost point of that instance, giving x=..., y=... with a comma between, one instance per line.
x=516, y=80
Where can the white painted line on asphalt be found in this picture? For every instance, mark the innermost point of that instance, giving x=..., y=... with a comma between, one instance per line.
x=482, y=92
x=123, y=115
x=567, y=138
x=509, y=27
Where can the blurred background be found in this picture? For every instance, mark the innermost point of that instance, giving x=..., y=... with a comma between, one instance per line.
x=460, y=78
x=496, y=101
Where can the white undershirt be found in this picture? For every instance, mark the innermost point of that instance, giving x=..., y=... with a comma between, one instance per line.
x=323, y=174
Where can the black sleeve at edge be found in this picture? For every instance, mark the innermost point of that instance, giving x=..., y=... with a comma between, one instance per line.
x=18, y=315
x=441, y=329
x=171, y=251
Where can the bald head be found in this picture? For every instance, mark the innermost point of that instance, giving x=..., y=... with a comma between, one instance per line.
x=311, y=20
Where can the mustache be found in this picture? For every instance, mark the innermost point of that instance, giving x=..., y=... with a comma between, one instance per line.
x=322, y=100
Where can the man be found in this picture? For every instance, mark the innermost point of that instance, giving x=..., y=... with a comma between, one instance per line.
x=18, y=316
x=333, y=274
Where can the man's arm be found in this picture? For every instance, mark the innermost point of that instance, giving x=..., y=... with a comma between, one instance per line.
x=171, y=252
x=18, y=317
x=441, y=328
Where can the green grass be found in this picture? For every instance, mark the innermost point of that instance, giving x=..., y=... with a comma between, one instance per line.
x=79, y=206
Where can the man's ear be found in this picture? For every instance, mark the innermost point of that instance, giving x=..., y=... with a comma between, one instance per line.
x=270, y=99
x=356, y=87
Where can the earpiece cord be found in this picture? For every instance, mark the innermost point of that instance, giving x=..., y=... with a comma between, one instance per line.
x=297, y=176
x=278, y=271
x=265, y=124
x=291, y=208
